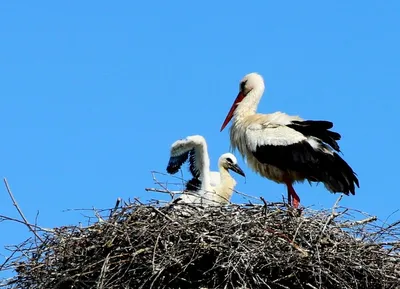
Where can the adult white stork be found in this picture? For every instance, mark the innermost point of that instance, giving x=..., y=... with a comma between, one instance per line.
x=205, y=187
x=284, y=148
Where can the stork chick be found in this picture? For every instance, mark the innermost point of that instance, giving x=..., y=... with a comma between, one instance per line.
x=205, y=187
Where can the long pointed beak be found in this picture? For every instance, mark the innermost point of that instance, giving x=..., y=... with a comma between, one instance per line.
x=237, y=169
x=228, y=118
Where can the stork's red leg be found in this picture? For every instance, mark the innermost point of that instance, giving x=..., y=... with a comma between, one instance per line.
x=292, y=193
x=289, y=197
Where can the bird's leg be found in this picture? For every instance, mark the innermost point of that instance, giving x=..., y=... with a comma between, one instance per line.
x=289, y=196
x=292, y=193
x=296, y=198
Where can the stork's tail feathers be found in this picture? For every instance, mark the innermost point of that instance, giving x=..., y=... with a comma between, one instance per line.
x=336, y=174
x=332, y=170
x=318, y=129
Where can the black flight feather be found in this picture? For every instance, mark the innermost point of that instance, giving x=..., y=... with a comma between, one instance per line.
x=313, y=165
x=193, y=167
x=318, y=129
x=176, y=162
x=193, y=185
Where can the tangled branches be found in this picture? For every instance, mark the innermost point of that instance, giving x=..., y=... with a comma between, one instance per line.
x=183, y=246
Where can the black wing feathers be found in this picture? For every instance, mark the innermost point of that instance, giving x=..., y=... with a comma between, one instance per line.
x=192, y=161
x=318, y=129
x=297, y=157
x=193, y=185
x=313, y=165
x=176, y=162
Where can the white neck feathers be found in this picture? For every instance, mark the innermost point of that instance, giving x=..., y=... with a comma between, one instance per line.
x=203, y=163
x=249, y=104
x=224, y=190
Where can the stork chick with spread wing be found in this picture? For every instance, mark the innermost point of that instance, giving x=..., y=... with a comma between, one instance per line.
x=206, y=187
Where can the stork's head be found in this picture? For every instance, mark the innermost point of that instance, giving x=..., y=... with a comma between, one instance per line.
x=251, y=86
x=229, y=162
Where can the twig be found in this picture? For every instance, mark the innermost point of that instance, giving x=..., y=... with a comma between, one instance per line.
x=393, y=243
x=333, y=215
x=115, y=207
x=5, y=218
x=159, y=183
x=246, y=195
x=264, y=201
x=164, y=215
x=357, y=223
x=104, y=268
x=287, y=239
x=265, y=205
x=19, y=211
x=137, y=200
x=157, y=190
x=395, y=224
x=99, y=218
x=153, y=262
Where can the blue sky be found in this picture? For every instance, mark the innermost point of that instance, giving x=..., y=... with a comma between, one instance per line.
x=93, y=93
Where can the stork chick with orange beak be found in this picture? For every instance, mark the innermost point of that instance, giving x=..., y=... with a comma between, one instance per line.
x=284, y=148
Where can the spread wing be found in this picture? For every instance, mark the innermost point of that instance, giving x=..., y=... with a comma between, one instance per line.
x=194, y=149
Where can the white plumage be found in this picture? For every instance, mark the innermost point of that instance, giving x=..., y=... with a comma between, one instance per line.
x=286, y=148
x=205, y=187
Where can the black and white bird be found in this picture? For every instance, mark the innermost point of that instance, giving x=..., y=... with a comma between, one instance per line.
x=205, y=187
x=284, y=148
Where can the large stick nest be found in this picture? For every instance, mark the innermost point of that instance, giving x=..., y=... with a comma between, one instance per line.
x=183, y=246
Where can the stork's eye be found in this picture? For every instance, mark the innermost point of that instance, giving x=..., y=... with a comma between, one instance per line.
x=229, y=160
x=242, y=85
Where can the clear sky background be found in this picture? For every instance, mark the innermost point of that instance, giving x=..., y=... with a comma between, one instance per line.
x=93, y=93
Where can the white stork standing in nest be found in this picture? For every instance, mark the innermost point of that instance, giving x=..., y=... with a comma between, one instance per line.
x=205, y=187
x=284, y=148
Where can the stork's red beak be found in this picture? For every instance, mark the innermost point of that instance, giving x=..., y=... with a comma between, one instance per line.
x=228, y=118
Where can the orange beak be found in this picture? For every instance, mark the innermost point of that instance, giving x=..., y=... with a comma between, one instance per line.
x=228, y=118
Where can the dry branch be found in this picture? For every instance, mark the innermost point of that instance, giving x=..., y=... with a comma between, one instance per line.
x=25, y=221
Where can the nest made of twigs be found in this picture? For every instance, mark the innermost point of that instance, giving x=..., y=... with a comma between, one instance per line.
x=234, y=246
